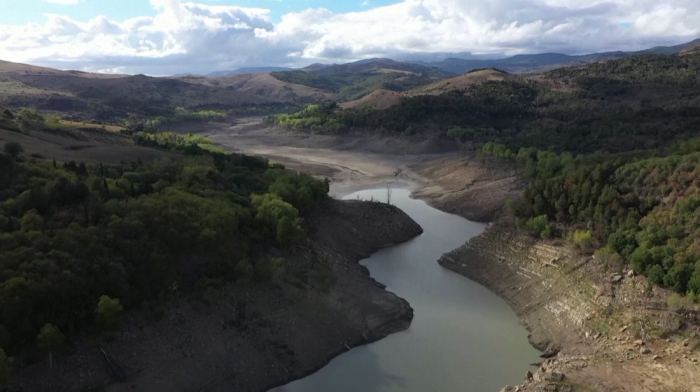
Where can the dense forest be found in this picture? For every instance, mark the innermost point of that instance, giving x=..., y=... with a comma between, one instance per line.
x=611, y=149
x=80, y=241
x=351, y=86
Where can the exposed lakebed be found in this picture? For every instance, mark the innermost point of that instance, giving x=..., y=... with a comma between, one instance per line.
x=462, y=338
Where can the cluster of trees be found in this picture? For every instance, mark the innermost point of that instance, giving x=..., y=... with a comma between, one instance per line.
x=79, y=241
x=498, y=106
x=351, y=86
x=642, y=208
x=180, y=115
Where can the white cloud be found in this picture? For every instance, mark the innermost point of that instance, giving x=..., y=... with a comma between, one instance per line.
x=192, y=37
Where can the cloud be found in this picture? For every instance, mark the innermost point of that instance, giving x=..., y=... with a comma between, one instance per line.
x=193, y=37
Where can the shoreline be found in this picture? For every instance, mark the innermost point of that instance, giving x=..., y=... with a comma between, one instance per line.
x=258, y=336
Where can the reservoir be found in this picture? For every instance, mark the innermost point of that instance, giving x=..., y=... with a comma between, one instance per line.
x=463, y=338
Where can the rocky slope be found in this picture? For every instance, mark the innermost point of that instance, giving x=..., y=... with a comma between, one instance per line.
x=258, y=335
x=602, y=327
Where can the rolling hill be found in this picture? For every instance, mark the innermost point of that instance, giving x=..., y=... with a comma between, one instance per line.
x=265, y=85
x=376, y=100
x=545, y=61
x=378, y=66
x=247, y=70
x=107, y=97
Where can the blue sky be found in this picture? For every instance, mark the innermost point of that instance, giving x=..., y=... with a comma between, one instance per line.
x=18, y=12
x=202, y=36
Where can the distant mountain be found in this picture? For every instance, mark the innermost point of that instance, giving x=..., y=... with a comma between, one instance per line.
x=247, y=70
x=544, y=61
x=378, y=65
x=314, y=67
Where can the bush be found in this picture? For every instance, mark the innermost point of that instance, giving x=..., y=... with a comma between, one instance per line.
x=540, y=226
x=677, y=277
x=108, y=314
x=656, y=274
x=583, y=239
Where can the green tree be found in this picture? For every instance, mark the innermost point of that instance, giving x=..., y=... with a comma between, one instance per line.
x=50, y=340
x=32, y=221
x=677, y=277
x=289, y=231
x=108, y=314
x=30, y=119
x=656, y=273
x=540, y=226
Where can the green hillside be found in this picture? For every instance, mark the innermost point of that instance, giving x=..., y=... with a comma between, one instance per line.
x=351, y=86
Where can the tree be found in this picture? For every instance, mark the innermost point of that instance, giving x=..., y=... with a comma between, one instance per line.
x=289, y=231
x=108, y=314
x=50, y=340
x=13, y=149
x=30, y=119
x=32, y=221
x=5, y=368
x=677, y=277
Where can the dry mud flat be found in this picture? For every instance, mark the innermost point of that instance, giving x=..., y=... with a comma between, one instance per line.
x=284, y=331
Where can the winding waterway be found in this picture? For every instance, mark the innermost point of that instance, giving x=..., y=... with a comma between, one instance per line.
x=463, y=338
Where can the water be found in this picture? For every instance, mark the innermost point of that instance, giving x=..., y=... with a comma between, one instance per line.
x=463, y=338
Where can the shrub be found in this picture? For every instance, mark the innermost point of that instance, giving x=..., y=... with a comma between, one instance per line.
x=108, y=314
x=677, y=277
x=656, y=273
x=540, y=226
x=583, y=239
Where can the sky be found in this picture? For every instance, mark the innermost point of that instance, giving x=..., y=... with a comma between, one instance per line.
x=165, y=37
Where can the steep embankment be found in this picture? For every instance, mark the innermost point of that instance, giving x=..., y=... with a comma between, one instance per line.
x=286, y=330
x=604, y=328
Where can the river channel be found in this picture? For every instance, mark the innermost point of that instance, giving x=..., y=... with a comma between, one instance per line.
x=463, y=338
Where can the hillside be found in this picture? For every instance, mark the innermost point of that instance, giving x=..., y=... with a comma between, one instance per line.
x=530, y=63
x=109, y=97
x=264, y=85
x=460, y=82
x=246, y=70
x=619, y=105
x=376, y=100
x=356, y=84
x=377, y=65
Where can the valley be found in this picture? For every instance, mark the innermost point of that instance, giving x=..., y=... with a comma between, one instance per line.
x=211, y=207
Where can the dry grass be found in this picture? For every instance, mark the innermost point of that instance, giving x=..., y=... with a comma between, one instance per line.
x=459, y=82
x=376, y=100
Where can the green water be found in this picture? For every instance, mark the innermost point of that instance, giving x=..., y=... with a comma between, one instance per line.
x=463, y=338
